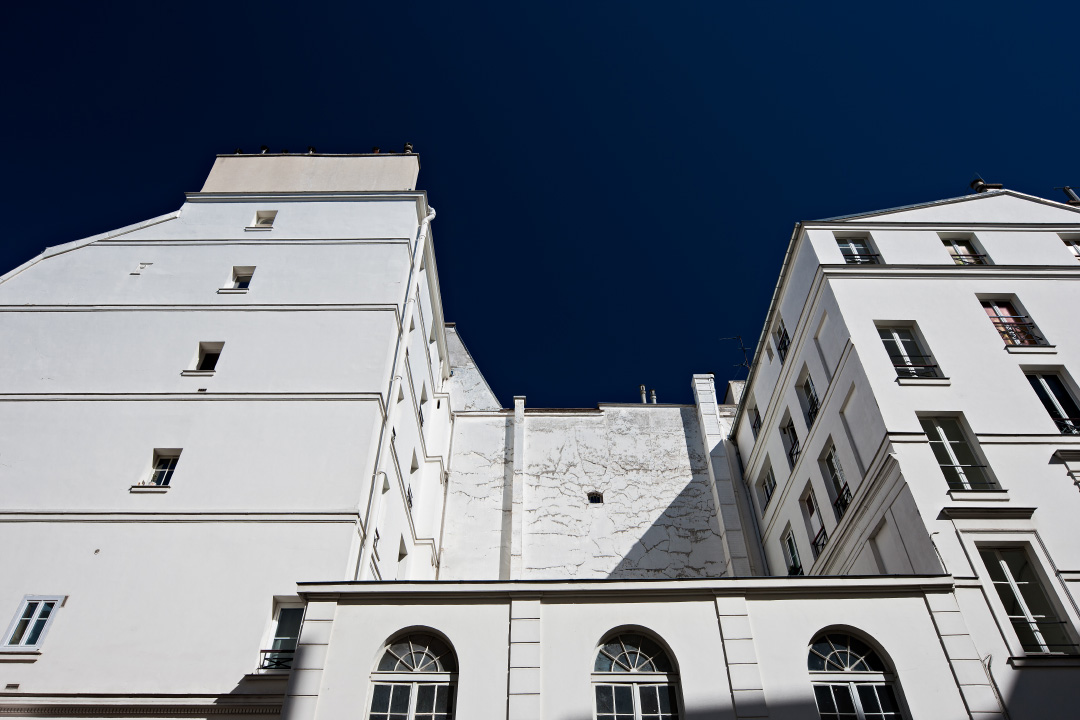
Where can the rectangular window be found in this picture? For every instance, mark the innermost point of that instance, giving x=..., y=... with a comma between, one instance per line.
x=813, y=405
x=908, y=358
x=630, y=702
x=755, y=421
x=857, y=251
x=283, y=644
x=1057, y=400
x=164, y=465
x=209, y=354
x=791, y=554
x=241, y=276
x=814, y=523
x=783, y=342
x=264, y=219
x=767, y=487
x=1015, y=328
x=791, y=442
x=840, y=492
x=963, y=252
x=32, y=621
x=1036, y=622
x=1074, y=246
x=956, y=455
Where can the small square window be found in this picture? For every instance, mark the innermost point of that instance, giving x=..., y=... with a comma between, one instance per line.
x=209, y=354
x=32, y=621
x=965, y=251
x=164, y=466
x=241, y=276
x=264, y=219
x=857, y=251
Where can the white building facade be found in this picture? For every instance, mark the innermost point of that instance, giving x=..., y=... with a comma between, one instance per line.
x=247, y=468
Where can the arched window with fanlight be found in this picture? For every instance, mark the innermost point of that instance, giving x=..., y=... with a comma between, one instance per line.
x=851, y=682
x=414, y=680
x=633, y=679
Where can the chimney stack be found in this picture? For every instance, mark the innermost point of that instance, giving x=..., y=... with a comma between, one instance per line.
x=642, y=394
x=652, y=396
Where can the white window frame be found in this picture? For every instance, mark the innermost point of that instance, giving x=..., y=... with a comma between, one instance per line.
x=168, y=457
x=915, y=369
x=866, y=256
x=272, y=634
x=791, y=551
x=975, y=538
x=1072, y=423
x=413, y=679
x=638, y=679
x=767, y=487
x=955, y=462
x=1074, y=245
x=263, y=220
x=56, y=600
x=852, y=679
x=970, y=249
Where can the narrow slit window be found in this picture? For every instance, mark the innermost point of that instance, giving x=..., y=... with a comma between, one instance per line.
x=596, y=497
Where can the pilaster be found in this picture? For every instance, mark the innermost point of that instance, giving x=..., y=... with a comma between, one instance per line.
x=744, y=675
x=523, y=682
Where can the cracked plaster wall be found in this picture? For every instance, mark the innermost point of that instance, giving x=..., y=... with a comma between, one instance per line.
x=658, y=519
x=467, y=387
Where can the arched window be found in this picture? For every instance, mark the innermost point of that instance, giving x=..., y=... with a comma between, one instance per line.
x=633, y=679
x=414, y=680
x=850, y=680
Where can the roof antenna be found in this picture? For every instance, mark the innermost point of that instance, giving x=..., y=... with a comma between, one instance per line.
x=980, y=186
x=745, y=358
x=1070, y=192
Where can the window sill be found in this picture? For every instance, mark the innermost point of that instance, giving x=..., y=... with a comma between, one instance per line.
x=1045, y=661
x=197, y=373
x=149, y=488
x=1031, y=349
x=269, y=674
x=980, y=495
x=922, y=381
x=232, y=291
x=19, y=655
x=258, y=229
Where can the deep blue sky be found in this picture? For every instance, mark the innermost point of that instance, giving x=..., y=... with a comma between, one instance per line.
x=616, y=183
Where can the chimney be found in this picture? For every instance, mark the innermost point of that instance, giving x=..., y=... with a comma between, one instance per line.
x=652, y=396
x=642, y=394
x=981, y=186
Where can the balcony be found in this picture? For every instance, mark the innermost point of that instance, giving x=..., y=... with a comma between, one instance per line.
x=783, y=342
x=1045, y=637
x=793, y=452
x=1068, y=426
x=755, y=426
x=916, y=366
x=795, y=569
x=1018, y=330
x=968, y=477
x=970, y=259
x=813, y=406
x=819, y=542
x=842, y=501
x=277, y=659
x=862, y=259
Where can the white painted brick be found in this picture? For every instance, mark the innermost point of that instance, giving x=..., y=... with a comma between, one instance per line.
x=735, y=627
x=744, y=677
x=524, y=655
x=524, y=707
x=740, y=652
x=524, y=681
x=320, y=611
x=980, y=698
x=750, y=704
x=959, y=647
x=731, y=605
x=524, y=631
x=316, y=632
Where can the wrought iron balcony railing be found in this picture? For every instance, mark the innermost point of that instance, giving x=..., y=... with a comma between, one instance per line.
x=813, y=406
x=794, y=569
x=819, y=542
x=755, y=426
x=783, y=342
x=968, y=477
x=793, y=453
x=840, y=504
x=1068, y=426
x=862, y=259
x=916, y=366
x=1018, y=330
x=1047, y=637
x=971, y=259
x=276, y=659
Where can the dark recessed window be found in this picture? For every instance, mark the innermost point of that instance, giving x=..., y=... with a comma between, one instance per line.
x=596, y=497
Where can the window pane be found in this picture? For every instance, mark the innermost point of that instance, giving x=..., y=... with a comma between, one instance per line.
x=1057, y=387
x=380, y=699
x=825, y=703
x=624, y=700
x=288, y=628
x=425, y=698
x=399, y=698
x=868, y=698
x=845, y=704
x=605, y=699
x=650, y=703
